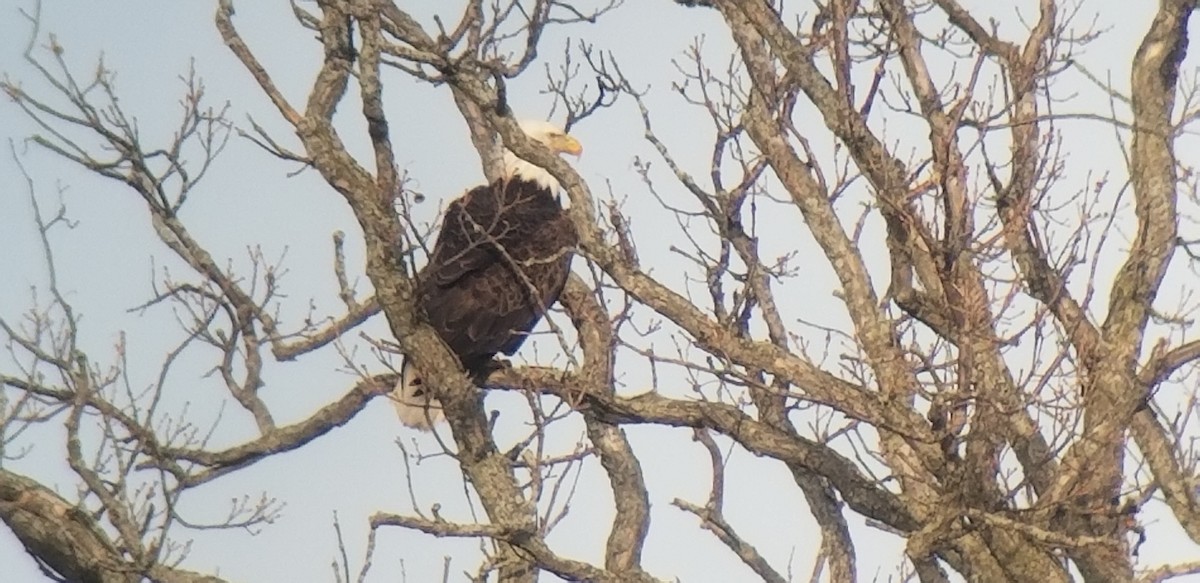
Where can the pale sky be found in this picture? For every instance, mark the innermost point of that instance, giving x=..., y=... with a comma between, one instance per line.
x=105, y=267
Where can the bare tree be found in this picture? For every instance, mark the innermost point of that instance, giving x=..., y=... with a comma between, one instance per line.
x=1003, y=386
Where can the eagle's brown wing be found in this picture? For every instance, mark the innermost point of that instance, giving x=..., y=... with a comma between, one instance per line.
x=459, y=249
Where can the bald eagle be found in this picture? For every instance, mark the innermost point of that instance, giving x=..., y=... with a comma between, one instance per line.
x=500, y=261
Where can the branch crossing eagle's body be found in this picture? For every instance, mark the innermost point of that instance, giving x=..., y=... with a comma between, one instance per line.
x=500, y=261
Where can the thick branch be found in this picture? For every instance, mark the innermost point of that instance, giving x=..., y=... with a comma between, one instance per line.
x=68, y=540
x=1153, y=175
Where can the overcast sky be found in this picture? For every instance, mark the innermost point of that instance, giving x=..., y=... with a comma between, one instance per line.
x=105, y=264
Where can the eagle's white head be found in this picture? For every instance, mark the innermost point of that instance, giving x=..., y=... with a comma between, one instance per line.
x=551, y=136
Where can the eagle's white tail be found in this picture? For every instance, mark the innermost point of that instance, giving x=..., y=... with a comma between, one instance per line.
x=414, y=404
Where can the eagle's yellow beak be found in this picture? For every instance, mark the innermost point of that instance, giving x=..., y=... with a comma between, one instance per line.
x=568, y=145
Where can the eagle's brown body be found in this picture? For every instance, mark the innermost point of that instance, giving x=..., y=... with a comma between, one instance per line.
x=499, y=263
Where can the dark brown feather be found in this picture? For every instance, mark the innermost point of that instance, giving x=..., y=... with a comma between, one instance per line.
x=500, y=261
